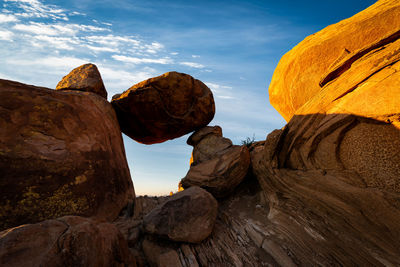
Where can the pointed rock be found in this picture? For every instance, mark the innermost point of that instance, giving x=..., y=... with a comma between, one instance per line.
x=84, y=78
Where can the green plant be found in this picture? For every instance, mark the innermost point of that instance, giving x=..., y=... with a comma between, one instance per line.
x=248, y=141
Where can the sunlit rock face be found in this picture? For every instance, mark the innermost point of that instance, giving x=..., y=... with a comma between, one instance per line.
x=218, y=166
x=187, y=216
x=164, y=107
x=323, y=56
x=61, y=153
x=66, y=241
x=332, y=174
x=85, y=78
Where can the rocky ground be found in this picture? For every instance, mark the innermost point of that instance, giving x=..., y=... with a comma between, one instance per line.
x=322, y=191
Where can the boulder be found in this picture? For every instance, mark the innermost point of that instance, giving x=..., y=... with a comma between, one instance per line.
x=217, y=165
x=61, y=153
x=321, y=57
x=164, y=107
x=187, y=216
x=85, y=78
x=67, y=241
x=160, y=256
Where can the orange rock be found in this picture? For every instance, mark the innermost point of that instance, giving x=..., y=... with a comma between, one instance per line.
x=164, y=107
x=84, y=78
x=61, y=153
x=312, y=62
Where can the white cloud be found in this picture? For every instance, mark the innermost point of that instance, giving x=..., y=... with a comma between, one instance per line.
x=7, y=18
x=56, y=29
x=136, y=60
x=102, y=49
x=174, y=53
x=6, y=35
x=192, y=65
x=36, y=9
x=63, y=43
x=112, y=40
x=195, y=56
x=60, y=63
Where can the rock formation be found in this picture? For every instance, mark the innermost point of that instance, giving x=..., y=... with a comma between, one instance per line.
x=187, y=216
x=323, y=56
x=218, y=166
x=85, y=78
x=164, y=107
x=61, y=153
x=322, y=191
x=67, y=241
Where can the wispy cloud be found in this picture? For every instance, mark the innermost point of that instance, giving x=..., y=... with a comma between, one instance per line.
x=36, y=9
x=7, y=18
x=6, y=35
x=192, y=65
x=136, y=60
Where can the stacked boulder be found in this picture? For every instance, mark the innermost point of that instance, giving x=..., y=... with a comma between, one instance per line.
x=217, y=165
x=62, y=154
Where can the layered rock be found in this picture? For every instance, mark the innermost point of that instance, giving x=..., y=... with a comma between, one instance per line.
x=164, y=107
x=334, y=168
x=61, y=153
x=322, y=56
x=187, y=216
x=218, y=166
x=67, y=241
x=85, y=78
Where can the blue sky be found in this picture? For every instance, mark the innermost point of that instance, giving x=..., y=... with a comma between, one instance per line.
x=233, y=46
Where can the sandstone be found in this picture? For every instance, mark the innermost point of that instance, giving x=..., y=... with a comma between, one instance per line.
x=61, y=153
x=164, y=108
x=217, y=165
x=187, y=216
x=66, y=241
x=85, y=78
x=322, y=56
x=160, y=256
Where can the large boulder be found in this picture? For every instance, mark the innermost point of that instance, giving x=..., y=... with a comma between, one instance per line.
x=321, y=57
x=85, y=78
x=61, y=153
x=67, y=241
x=187, y=216
x=164, y=107
x=217, y=165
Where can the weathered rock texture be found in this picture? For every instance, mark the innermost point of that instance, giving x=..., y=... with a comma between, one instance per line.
x=217, y=165
x=323, y=56
x=67, y=241
x=332, y=174
x=187, y=216
x=164, y=107
x=61, y=153
x=85, y=78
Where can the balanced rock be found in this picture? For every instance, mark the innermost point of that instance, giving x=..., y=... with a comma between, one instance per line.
x=61, y=153
x=187, y=216
x=217, y=165
x=164, y=107
x=84, y=78
x=67, y=241
x=321, y=57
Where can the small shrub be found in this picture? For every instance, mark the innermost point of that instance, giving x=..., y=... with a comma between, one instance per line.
x=248, y=141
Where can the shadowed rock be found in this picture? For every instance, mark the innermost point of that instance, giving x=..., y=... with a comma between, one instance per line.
x=61, y=153
x=85, y=78
x=187, y=216
x=218, y=166
x=164, y=107
x=67, y=241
